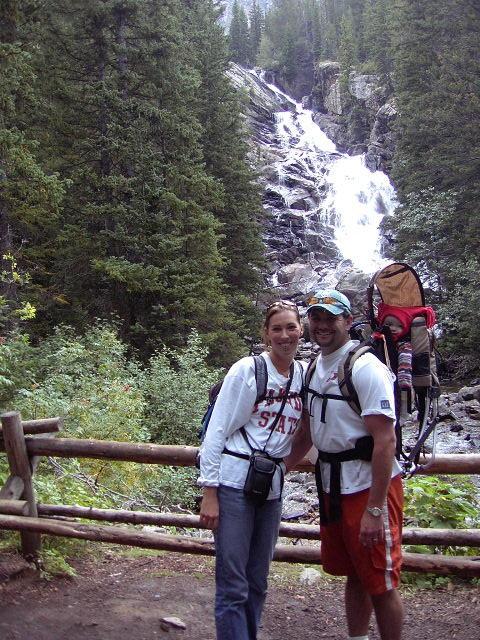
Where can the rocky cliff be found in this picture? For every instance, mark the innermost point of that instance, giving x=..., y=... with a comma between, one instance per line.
x=364, y=125
x=372, y=103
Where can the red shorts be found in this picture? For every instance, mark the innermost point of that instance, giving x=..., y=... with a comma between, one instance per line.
x=377, y=568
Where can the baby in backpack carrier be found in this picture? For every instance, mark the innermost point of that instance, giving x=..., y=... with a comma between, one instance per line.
x=399, y=321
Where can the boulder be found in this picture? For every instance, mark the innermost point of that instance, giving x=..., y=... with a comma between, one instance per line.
x=470, y=393
x=472, y=409
x=363, y=86
x=297, y=275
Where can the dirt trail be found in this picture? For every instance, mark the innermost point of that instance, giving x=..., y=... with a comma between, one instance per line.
x=117, y=597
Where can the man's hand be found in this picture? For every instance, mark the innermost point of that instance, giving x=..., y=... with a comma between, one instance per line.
x=209, y=509
x=371, y=530
x=382, y=429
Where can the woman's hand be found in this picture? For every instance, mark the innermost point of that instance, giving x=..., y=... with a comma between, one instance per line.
x=209, y=509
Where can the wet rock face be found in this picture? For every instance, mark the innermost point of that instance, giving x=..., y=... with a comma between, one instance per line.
x=325, y=96
x=375, y=100
x=262, y=103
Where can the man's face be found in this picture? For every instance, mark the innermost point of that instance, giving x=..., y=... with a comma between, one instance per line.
x=330, y=332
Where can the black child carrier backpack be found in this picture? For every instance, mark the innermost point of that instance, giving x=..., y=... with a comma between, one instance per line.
x=396, y=285
x=261, y=378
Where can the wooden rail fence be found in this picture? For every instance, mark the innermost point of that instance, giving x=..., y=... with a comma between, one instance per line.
x=25, y=442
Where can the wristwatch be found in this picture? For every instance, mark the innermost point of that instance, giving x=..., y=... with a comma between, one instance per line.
x=375, y=511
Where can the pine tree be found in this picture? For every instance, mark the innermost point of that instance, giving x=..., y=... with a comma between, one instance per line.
x=239, y=36
x=29, y=198
x=416, y=81
x=287, y=29
x=380, y=35
x=437, y=164
x=347, y=53
x=314, y=28
x=226, y=158
x=256, y=30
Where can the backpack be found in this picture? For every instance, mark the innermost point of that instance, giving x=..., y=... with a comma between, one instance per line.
x=398, y=285
x=261, y=378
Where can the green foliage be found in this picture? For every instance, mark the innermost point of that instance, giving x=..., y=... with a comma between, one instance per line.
x=53, y=558
x=436, y=166
x=102, y=394
x=29, y=197
x=17, y=366
x=124, y=184
x=347, y=54
x=300, y=33
x=423, y=227
x=441, y=502
x=173, y=488
x=257, y=25
x=176, y=390
x=88, y=380
x=238, y=210
x=428, y=233
x=290, y=38
x=239, y=36
x=449, y=502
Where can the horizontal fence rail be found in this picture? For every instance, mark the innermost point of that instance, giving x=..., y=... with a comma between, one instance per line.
x=434, y=563
x=25, y=442
x=184, y=456
x=410, y=535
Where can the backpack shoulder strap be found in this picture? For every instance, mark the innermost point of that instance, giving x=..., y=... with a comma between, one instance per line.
x=261, y=377
x=309, y=373
x=345, y=369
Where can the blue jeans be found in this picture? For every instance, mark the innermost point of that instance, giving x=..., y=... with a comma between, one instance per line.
x=244, y=544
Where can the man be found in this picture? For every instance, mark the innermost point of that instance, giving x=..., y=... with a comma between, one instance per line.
x=361, y=500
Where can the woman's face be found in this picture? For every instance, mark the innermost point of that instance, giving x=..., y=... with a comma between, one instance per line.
x=283, y=333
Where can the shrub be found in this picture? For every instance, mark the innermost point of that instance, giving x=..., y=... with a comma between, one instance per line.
x=176, y=391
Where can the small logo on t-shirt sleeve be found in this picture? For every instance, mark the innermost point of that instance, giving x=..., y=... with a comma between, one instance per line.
x=385, y=404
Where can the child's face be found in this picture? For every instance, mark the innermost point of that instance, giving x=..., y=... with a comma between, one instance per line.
x=395, y=325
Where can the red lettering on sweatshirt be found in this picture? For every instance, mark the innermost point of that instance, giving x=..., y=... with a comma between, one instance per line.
x=263, y=422
x=293, y=424
x=281, y=424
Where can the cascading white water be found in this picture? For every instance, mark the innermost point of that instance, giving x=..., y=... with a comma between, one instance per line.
x=351, y=199
x=356, y=203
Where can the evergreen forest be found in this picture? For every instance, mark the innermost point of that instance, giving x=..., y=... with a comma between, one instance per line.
x=130, y=211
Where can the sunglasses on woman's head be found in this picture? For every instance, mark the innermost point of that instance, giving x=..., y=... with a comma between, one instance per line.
x=282, y=303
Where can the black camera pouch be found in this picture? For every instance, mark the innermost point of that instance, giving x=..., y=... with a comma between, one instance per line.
x=259, y=477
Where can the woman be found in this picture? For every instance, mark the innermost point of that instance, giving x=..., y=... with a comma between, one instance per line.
x=245, y=534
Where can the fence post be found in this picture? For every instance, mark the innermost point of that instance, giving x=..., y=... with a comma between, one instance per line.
x=19, y=463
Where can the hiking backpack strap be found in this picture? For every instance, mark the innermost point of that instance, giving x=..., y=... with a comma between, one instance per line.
x=324, y=397
x=277, y=417
x=261, y=377
x=345, y=382
x=277, y=461
x=362, y=450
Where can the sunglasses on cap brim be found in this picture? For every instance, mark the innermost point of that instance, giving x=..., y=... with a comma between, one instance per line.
x=327, y=300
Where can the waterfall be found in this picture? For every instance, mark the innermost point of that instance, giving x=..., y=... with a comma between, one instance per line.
x=356, y=202
x=340, y=200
